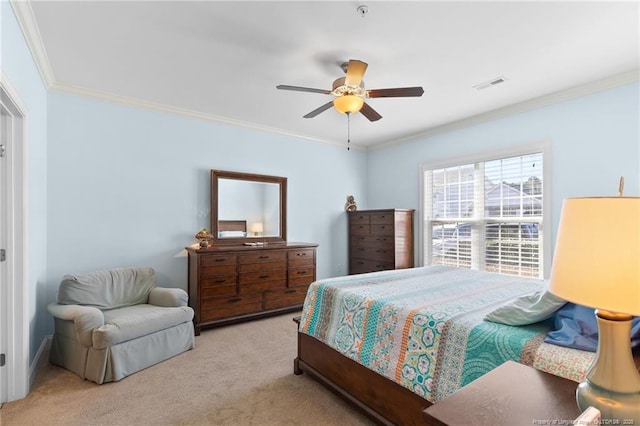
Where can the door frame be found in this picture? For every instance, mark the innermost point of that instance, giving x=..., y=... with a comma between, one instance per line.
x=16, y=329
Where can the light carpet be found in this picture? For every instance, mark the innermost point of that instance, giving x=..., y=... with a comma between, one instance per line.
x=237, y=375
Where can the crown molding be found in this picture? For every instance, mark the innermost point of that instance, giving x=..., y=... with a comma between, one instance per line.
x=528, y=105
x=28, y=25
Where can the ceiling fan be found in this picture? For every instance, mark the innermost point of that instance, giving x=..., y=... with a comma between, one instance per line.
x=350, y=93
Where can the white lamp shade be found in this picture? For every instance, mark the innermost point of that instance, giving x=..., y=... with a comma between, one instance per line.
x=597, y=254
x=257, y=227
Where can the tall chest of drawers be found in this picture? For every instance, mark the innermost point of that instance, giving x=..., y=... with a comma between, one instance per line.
x=230, y=284
x=380, y=240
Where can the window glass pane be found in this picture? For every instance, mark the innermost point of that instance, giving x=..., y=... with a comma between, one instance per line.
x=513, y=248
x=452, y=192
x=513, y=187
x=451, y=244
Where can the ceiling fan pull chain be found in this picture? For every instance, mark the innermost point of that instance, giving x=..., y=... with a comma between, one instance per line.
x=348, y=131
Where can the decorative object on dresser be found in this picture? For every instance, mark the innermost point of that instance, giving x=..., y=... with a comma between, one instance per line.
x=380, y=240
x=351, y=205
x=247, y=275
x=204, y=237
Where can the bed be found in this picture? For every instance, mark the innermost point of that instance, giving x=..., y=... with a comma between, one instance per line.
x=396, y=342
x=232, y=228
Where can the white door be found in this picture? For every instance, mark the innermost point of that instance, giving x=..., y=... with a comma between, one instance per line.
x=5, y=129
x=14, y=317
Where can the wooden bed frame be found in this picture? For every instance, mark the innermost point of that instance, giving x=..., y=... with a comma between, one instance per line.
x=232, y=225
x=379, y=398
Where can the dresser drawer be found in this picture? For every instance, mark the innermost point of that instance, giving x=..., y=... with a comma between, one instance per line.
x=382, y=218
x=263, y=256
x=359, y=229
x=301, y=276
x=360, y=218
x=219, y=285
x=359, y=266
x=386, y=241
x=382, y=229
x=261, y=266
x=218, y=259
x=302, y=257
x=269, y=275
x=212, y=264
x=373, y=253
x=274, y=299
x=263, y=285
x=224, y=307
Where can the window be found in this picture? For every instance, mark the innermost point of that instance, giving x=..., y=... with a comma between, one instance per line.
x=486, y=215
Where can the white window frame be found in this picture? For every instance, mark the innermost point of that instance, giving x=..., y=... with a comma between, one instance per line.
x=543, y=147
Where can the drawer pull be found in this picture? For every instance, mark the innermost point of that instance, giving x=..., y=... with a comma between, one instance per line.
x=290, y=291
x=235, y=299
x=221, y=259
x=264, y=257
x=301, y=254
x=302, y=272
x=264, y=276
x=220, y=281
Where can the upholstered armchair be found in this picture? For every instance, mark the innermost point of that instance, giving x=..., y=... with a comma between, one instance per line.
x=110, y=324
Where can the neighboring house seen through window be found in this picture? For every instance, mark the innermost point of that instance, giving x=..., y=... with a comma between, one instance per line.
x=486, y=215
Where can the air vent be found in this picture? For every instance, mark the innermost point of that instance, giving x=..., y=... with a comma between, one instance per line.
x=490, y=83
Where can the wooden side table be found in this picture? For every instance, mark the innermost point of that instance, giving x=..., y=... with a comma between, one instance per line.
x=512, y=394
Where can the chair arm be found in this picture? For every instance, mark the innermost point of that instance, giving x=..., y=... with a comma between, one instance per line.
x=85, y=319
x=168, y=297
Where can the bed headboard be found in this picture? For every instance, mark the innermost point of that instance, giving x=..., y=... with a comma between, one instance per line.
x=232, y=228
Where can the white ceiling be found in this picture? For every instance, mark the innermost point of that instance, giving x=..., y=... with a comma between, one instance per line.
x=222, y=60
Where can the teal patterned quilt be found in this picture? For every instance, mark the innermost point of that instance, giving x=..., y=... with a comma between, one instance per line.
x=424, y=327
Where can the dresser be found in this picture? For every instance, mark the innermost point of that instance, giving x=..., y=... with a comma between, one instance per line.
x=380, y=240
x=230, y=284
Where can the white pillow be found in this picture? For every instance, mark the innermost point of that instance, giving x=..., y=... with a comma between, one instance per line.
x=527, y=309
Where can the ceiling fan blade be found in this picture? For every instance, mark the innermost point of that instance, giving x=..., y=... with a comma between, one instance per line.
x=398, y=92
x=370, y=113
x=355, y=72
x=319, y=110
x=303, y=89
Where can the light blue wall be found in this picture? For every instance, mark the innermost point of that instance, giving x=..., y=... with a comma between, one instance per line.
x=131, y=187
x=594, y=139
x=22, y=75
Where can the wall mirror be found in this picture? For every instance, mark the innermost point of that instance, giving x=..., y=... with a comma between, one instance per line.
x=248, y=207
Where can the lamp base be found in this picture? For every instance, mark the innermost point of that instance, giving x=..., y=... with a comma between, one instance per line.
x=612, y=383
x=614, y=406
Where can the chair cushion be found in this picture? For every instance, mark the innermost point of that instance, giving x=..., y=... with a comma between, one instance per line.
x=108, y=289
x=131, y=322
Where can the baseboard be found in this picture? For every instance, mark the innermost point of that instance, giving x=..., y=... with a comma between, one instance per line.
x=40, y=357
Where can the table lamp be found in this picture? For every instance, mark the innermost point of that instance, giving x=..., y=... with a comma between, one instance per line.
x=257, y=228
x=597, y=264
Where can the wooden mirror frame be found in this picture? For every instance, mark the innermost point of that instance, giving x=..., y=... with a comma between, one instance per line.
x=249, y=177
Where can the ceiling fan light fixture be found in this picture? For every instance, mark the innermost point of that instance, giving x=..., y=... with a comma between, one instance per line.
x=348, y=104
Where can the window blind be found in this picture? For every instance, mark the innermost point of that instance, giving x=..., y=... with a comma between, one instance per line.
x=486, y=215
